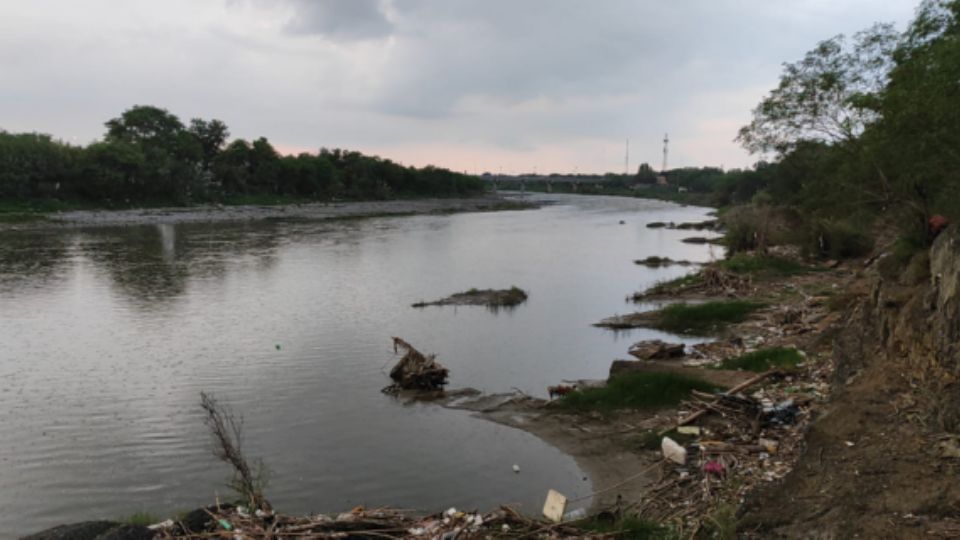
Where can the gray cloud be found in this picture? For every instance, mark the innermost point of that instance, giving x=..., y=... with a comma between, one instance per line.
x=340, y=19
x=559, y=83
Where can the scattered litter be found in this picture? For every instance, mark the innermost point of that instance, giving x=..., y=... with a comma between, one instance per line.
x=849, y=443
x=554, y=506
x=714, y=467
x=516, y=468
x=689, y=430
x=673, y=451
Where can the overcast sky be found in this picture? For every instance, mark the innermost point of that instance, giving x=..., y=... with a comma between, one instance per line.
x=476, y=85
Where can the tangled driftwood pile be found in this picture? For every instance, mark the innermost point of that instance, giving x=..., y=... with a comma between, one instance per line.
x=231, y=523
x=415, y=371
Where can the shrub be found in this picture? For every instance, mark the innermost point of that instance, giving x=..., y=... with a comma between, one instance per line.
x=764, y=359
x=705, y=317
x=636, y=391
x=838, y=240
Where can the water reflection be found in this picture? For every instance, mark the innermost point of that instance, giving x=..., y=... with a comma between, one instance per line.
x=110, y=334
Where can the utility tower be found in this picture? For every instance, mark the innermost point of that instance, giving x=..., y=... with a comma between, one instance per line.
x=626, y=159
x=666, y=143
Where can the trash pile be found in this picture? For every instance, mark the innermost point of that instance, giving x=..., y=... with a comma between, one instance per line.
x=230, y=522
x=415, y=371
x=741, y=440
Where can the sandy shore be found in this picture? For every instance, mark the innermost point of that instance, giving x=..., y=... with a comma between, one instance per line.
x=311, y=211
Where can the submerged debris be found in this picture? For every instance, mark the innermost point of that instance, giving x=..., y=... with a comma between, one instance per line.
x=415, y=371
x=655, y=261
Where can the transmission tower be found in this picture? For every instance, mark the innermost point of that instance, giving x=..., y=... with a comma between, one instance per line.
x=666, y=143
x=626, y=159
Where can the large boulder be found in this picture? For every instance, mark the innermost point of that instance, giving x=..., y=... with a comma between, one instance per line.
x=87, y=530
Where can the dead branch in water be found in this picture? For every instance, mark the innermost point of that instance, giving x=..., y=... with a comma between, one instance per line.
x=227, y=432
x=415, y=371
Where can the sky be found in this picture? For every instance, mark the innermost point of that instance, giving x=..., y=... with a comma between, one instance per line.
x=510, y=86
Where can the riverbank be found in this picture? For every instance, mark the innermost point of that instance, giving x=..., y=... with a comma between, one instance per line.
x=828, y=425
x=238, y=213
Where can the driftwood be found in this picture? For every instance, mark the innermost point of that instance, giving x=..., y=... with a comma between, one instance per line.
x=740, y=387
x=416, y=371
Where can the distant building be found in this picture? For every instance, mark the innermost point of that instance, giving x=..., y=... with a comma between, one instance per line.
x=662, y=179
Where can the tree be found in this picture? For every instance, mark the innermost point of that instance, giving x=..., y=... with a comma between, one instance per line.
x=212, y=136
x=919, y=135
x=145, y=124
x=829, y=96
x=646, y=175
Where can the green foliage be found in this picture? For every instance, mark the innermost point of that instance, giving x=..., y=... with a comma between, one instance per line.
x=671, y=286
x=722, y=522
x=626, y=528
x=741, y=236
x=636, y=391
x=836, y=239
x=764, y=359
x=141, y=518
x=148, y=156
x=703, y=318
x=763, y=265
x=828, y=96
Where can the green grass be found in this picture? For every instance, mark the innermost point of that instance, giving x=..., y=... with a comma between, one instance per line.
x=670, y=286
x=685, y=318
x=141, y=518
x=764, y=359
x=627, y=527
x=636, y=391
x=764, y=266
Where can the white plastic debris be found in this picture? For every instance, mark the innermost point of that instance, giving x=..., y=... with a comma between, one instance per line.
x=554, y=506
x=516, y=468
x=673, y=451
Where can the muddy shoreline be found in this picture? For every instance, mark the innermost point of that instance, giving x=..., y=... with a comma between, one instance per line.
x=241, y=213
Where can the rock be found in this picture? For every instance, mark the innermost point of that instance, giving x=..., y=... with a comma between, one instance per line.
x=88, y=530
x=673, y=451
x=128, y=532
x=656, y=349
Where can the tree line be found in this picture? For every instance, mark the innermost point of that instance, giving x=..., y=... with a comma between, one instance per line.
x=148, y=155
x=867, y=126
x=861, y=133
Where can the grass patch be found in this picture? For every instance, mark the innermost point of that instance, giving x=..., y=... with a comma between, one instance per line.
x=627, y=527
x=141, y=518
x=702, y=318
x=636, y=391
x=722, y=522
x=671, y=286
x=764, y=359
x=764, y=266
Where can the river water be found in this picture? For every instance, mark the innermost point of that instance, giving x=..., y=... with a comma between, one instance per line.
x=107, y=337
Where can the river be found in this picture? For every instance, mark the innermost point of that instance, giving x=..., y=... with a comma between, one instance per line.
x=110, y=334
